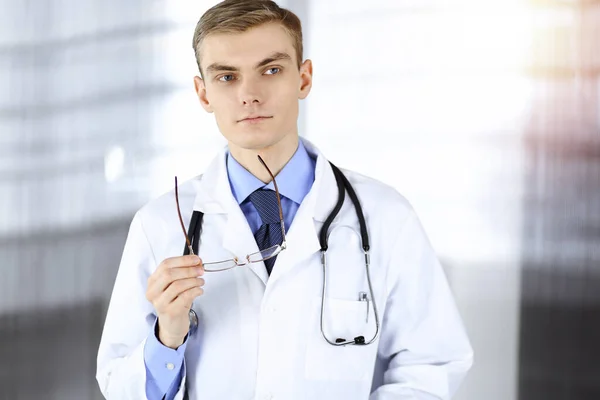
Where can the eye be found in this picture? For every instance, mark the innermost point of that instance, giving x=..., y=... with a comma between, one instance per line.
x=270, y=71
x=226, y=78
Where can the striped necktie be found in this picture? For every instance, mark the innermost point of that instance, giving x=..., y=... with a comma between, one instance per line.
x=269, y=233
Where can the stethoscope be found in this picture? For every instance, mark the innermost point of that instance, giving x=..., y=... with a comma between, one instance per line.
x=343, y=185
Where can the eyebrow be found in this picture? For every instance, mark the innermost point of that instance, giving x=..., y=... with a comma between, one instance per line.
x=277, y=56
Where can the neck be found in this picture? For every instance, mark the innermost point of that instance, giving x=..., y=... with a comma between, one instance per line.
x=275, y=156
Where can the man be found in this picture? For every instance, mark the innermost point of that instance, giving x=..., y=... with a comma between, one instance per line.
x=263, y=329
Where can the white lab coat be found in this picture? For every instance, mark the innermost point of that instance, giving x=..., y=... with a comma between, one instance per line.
x=259, y=336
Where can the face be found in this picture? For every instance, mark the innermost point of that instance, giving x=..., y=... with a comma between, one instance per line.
x=253, y=85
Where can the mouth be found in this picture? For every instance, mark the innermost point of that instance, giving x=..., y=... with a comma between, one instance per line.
x=255, y=119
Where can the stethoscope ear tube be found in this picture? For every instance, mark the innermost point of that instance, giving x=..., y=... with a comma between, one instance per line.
x=359, y=212
x=336, y=209
x=194, y=232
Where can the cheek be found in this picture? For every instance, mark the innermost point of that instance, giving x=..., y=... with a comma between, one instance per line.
x=222, y=106
x=286, y=98
x=289, y=104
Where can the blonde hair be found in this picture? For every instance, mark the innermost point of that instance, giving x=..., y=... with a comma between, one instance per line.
x=237, y=16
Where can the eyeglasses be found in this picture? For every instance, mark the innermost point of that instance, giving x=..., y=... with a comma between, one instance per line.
x=259, y=256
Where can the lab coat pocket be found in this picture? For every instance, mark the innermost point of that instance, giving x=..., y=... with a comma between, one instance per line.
x=344, y=319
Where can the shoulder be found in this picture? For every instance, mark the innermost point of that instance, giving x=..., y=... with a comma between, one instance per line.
x=379, y=198
x=164, y=207
x=157, y=224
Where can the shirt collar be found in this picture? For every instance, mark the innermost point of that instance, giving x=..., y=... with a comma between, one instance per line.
x=293, y=181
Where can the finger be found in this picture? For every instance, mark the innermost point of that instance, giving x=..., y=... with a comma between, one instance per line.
x=164, y=275
x=182, y=261
x=169, y=276
x=158, y=282
x=176, y=262
x=185, y=272
x=164, y=278
x=178, y=287
x=156, y=290
x=186, y=298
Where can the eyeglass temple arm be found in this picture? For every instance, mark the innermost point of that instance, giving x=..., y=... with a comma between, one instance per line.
x=187, y=240
x=277, y=195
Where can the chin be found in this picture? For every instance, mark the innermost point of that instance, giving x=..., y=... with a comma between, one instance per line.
x=254, y=140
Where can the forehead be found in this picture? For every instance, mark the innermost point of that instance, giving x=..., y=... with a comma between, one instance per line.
x=246, y=48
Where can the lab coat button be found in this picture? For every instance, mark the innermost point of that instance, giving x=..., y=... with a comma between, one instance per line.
x=170, y=366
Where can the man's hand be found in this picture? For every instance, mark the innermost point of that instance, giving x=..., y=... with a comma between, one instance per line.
x=171, y=289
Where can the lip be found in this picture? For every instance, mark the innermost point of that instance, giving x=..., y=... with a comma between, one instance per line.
x=255, y=119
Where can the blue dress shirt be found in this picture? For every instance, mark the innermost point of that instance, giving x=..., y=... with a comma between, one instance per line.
x=293, y=181
x=165, y=367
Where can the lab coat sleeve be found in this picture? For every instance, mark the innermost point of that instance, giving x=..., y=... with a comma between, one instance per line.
x=160, y=380
x=423, y=342
x=121, y=369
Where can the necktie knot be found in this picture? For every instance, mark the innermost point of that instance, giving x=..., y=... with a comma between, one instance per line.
x=265, y=201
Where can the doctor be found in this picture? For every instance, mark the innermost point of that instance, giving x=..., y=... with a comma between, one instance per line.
x=255, y=311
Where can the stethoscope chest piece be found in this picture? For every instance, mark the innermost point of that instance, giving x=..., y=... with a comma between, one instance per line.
x=193, y=321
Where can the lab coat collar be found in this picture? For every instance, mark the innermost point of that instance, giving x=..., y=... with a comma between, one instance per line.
x=214, y=196
x=294, y=180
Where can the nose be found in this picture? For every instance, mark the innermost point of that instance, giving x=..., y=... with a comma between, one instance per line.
x=250, y=92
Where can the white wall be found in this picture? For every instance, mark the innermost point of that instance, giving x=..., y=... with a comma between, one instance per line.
x=428, y=97
x=97, y=114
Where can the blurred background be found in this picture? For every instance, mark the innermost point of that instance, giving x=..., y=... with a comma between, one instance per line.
x=484, y=114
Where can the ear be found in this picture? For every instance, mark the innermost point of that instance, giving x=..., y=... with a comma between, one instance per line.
x=201, y=92
x=306, y=75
